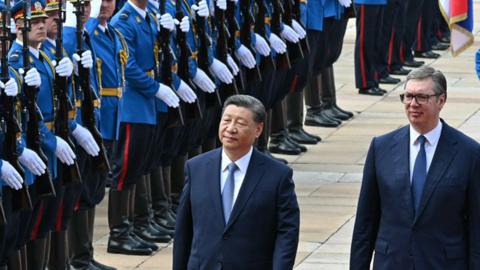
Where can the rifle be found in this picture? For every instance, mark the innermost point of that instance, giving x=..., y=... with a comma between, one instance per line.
x=175, y=115
x=283, y=60
x=295, y=49
x=212, y=99
x=88, y=108
x=193, y=110
x=226, y=90
x=253, y=75
x=8, y=106
x=266, y=62
x=298, y=16
x=69, y=173
x=43, y=183
x=233, y=29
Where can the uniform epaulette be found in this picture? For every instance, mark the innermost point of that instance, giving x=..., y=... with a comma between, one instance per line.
x=124, y=15
x=14, y=57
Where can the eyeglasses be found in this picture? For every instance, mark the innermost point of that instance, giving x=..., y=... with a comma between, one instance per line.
x=420, y=98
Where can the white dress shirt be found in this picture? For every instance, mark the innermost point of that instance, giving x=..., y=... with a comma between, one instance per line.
x=239, y=174
x=431, y=143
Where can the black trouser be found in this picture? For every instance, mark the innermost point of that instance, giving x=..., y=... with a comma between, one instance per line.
x=335, y=30
x=425, y=27
x=393, y=28
x=413, y=13
x=367, y=45
x=10, y=231
x=131, y=153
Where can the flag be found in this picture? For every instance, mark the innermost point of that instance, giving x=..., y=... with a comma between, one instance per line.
x=459, y=17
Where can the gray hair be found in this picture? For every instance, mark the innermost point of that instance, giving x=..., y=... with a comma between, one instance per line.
x=252, y=104
x=439, y=81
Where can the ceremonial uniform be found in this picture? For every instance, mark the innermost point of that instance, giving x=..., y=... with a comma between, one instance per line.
x=369, y=17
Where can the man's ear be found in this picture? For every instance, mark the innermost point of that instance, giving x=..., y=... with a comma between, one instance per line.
x=258, y=130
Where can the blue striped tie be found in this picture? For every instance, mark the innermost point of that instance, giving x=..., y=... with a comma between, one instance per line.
x=227, y=194
x=419, y=175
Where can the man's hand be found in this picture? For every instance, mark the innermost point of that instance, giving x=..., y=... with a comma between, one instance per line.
x=64, y=68
x=277, y=44
x=32, y=162
x=186, y=93
x=10, y=88
x=10, y=176
x=166, y=21
x=289, y=34
x=203, y=81
x=167, y=95
x=63, y=152
x=221, y=71
x=299, y=29
x=233, y=66
x=245, y=57
x=86, y=140
x=261, y=45
x=201, y=9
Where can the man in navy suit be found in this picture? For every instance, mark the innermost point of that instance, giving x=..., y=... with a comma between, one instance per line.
x=419, y=205
x=238, y=209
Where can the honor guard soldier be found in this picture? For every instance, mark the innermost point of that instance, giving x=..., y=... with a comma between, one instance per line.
x=367, y=46
x=138, y=120
x=43, y=217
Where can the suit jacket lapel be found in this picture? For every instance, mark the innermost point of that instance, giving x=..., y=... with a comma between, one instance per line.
x=213, y=185
x=442, y=158
x=254, y=173
x=400, y=152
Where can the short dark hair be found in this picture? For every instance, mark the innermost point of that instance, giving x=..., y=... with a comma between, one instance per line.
x=439, y=81
x=252, y=104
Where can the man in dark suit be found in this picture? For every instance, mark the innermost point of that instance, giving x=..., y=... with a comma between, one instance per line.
x=419, y=205
x=238, y=209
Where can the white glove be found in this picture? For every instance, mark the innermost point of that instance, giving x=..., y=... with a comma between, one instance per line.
x=289, y=34
x=245, y=57
x=201, y=9
x=166, y=21
x=10, y=87
x=203, y=81
x=233, y=66
x=32, y=162
x=345, y=3
x=299, y=29
x=184, y=24
x=11, y=177
x=32, y=78
x=86, y=60
x=63, y=152
x=70, y=17
x=222, y=4
x=86, y=140
x=261, y=45
x=277, y=44
x=221, y=71
x=64, y=68
x=95, y=8
x=186, y=93
x=167, y=95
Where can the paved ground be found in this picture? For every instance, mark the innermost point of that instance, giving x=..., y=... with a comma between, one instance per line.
x=328, y=176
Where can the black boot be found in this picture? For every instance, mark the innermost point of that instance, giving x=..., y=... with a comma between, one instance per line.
x=314, y=116
x=15, y=261
x=294, y=106
x=142, y=226
x=79, y=240
x=330, y=90
x=120, y=240
x=159, y=200
x=280, y=144
x=58, y=251
x=36, y=254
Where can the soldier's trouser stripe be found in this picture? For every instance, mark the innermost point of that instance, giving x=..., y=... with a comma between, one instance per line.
x=390, y=49
x=419, y=35
x=38, y=221
x=293, y=86
x=125, y=157
x=58, y=222
x=362, y=46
